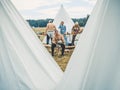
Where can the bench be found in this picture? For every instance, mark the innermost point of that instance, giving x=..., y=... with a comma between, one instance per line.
x=68, y=49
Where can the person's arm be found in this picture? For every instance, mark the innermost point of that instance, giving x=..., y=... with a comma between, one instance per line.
x=63, y=40
x=72, y=32
x=46, y=29
x=81, y=30
x=59, y=27
x=54, y=27
x=65, y=30
x=78, y=29
x=53, y=40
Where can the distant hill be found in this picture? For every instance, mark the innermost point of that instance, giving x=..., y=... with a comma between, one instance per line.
x=43, y=22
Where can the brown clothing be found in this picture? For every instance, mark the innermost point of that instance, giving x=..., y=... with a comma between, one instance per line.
x=75, y=29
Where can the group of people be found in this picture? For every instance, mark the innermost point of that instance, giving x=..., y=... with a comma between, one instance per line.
x=60, y=38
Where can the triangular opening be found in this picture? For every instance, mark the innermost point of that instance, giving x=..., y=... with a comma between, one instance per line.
x=62, y=15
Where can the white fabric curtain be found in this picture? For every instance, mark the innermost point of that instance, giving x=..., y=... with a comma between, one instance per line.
x=95, y=63
x=24, y=62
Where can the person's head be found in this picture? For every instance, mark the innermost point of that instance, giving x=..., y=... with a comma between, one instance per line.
x=76, y=23
x=62, y=22
x=50, y=21
x=56, y=32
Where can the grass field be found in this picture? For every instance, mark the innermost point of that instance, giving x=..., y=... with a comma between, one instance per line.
x=62, y=61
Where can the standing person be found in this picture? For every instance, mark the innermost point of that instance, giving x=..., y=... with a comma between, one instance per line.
x=58, y=39
x=75, y=31
x=62, y=28
x=50, y=30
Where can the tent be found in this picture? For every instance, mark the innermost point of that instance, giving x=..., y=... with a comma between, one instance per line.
x=95, y=63
x=62, y=15
x=25, y=64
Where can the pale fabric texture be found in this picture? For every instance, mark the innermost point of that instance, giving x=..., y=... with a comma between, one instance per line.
x=95, y=63
x=24, y=62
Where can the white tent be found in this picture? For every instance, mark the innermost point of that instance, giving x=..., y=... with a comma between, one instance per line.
x=62, y=15
x=95, y=63
x=24, y=62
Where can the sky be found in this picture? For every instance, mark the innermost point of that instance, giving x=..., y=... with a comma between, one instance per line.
x=42, y=9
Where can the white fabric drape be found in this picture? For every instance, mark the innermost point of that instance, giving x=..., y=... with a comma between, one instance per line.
x=24, y=62
x=95, y=63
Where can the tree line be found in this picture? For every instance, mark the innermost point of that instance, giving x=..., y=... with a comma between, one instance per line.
x=43, y=22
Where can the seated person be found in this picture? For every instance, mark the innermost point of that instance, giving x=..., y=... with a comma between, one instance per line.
x=58, y=39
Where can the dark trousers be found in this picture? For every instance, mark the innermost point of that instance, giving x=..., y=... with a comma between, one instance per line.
x=48, y=38
x=54, y=45
x=73, y=39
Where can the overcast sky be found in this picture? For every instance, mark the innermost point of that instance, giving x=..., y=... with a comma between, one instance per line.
x=42, y=9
